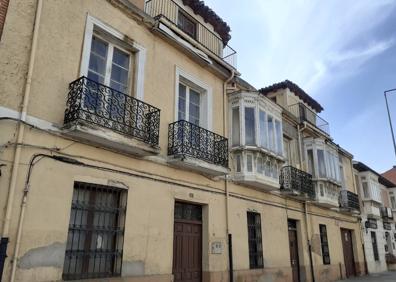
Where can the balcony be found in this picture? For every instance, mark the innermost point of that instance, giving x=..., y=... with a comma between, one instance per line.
x=296, y=183
x=174, y=15
x=195, y=148
x=349, y=201
x=386, y=213
x=304, y=114
x=104, y=116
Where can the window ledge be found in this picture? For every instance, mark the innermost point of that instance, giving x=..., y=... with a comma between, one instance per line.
x=97, y=135
x=327, y=202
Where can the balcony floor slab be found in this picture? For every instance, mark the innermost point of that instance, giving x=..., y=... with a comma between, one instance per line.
x=107, y=138
x=196, y=165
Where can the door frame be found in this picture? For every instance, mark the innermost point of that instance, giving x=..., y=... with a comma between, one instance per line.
x=350, y=232
x=201, y=222
x=295, y=231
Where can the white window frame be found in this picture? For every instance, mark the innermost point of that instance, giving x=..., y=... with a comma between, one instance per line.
x=93, y=24
x=205, y=119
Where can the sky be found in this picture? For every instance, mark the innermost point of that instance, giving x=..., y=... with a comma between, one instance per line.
x=341, y=52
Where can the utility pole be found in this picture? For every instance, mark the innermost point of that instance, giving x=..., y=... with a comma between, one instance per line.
x=389, y=116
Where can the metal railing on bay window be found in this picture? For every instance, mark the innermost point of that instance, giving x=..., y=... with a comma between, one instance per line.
x=188, y=139
x=100, y=105
x=178, y=16
x=349, y=200
x=303, y=113
x=293, y=179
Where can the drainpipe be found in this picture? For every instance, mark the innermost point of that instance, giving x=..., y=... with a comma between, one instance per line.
x=231, y=270
x=20, y=134
x=309, y=242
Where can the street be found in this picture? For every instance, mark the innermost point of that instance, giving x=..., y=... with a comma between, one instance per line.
x=381, y=277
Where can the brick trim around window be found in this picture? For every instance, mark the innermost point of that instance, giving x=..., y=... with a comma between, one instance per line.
x=3, y=12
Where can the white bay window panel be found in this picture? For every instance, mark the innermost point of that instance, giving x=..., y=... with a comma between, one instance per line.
x=271, y=133
x=250, y=126
x=263, y=129
x=321, y=163
x=236, y=134
x=278, y=137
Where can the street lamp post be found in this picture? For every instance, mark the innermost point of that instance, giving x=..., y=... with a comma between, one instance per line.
x=389, y=116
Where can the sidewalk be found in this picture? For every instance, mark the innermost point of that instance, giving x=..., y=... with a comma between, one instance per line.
x=389, y=276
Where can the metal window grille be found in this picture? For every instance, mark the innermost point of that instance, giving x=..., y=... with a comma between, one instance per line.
x=375, y=246
x=255, y=241
x=324, y=243
x=96, y=232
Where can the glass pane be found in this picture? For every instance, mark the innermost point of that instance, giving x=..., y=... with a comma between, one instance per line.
x=235, y=127
x=249, y=127
x=260, y=168
x=321, y=163
x=121, y=58
x=120, y=70
x=97, y=64
x=119, y=75
x=182, y=102
x=249, y=164
x=238, y=163
x=194, y=107
x=271, y=133
x=310, y=162
x=263, y=129
x=194, y=97
x=99, y=47
x=278, y=131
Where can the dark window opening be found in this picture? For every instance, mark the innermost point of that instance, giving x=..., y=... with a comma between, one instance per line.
x=188, y=211
x=186, y=24
x=324, y=243
x=255, y=241
x=375, y=247
x=96, y=232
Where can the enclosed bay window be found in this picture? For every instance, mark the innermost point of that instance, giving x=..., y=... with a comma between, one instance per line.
x=322, y=160
x=269, y=135
x=257, y=140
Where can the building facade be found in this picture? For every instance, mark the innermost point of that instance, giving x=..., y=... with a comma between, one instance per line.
x=131, y=149
x=377, y=217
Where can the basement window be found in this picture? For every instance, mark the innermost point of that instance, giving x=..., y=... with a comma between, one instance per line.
x=95, y=239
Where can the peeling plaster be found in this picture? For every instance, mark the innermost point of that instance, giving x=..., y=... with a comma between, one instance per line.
x=50, y=256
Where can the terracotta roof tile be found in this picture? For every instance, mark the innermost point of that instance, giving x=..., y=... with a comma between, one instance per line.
x=296, y=90
x=220, y=26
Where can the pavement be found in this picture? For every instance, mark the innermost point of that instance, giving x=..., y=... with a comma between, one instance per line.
x=389, y=276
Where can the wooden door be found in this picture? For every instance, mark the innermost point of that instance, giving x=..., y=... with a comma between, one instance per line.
x=293, y=246
x=349, y=260
x=187, y=244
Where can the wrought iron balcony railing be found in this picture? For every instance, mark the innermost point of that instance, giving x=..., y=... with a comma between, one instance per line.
x=386, y=213
x=188, y=139
x=295, y=180
x=98, y=104
x=174, y=12
x=303, y=113
x=349, y=200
